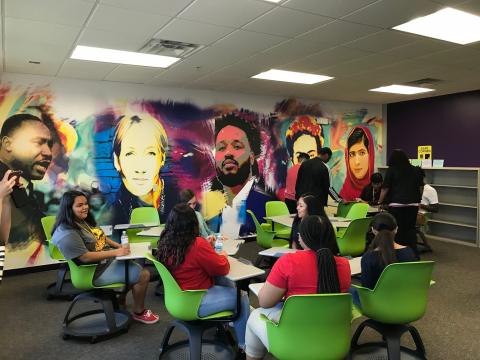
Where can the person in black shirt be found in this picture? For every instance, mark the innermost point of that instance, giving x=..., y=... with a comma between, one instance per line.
x=371, y=192
x=401, y=192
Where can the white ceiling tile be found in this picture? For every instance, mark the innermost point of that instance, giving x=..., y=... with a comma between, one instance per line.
x=326, y=58
x=332, y=8
x=460, y=56
x=336, y=33
x=158, y=81
x=286, y=22
x=183, y=73
x=419, y=48
x=381, y=41
x=193, y=32
x=113, y=40
x=133, y=74
x=291, y=50
x=163, y=7
x=356, y=66
x=71, y=12
x=209, y=59
x=124, y=21
x=244, y=43
x=80, y=69
x=18, y=56
x=389, y=13
x=234, y=13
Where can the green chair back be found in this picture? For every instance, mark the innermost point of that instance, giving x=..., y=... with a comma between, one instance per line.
x=82, y=277
x=353, y=241
x=141, y=215
x=277, y=208
x=47, y=225
x=400, y=295
x=265, y=238
x=312, y=327
x=357, y=211
x=182, y=305
x=343, y=208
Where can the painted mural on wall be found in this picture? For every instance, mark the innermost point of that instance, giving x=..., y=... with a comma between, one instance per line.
x=131, y=154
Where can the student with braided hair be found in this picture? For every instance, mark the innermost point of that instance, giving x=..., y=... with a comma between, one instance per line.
x=315, y=270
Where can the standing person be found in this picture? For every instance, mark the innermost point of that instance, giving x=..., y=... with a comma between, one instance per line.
x=6, y=188
x=314, y=271
x=371, y=193
x=195, y=265
x=290, y=198
x=359, y=161
x=79, y=239
x=313, y=178
x=326, y=155
x=402, y=191
x=307, y=205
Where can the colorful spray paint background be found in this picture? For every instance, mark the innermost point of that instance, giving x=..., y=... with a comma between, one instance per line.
x=84, y=155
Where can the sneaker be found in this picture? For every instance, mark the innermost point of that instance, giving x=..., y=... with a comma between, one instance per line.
x=146, y=317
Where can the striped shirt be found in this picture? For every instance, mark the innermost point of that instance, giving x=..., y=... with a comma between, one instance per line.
x=2, y=260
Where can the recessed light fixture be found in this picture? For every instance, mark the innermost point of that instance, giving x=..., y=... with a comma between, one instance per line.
x=122, y=57
x=402, y=89
x=291, y=76
x=447, y=24
x=273, y=1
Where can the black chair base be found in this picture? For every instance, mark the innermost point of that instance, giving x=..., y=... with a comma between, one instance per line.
x=378, y=351
x=391, y=335
x=96, y=324
x=195, y=348
x=62, y=288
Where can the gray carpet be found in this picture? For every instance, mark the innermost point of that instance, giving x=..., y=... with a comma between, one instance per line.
x=30, y=326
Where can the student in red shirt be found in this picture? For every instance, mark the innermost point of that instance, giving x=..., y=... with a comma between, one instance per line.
x=195, y=265
x=314, y=270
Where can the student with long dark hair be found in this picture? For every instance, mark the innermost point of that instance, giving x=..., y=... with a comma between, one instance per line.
x=307, y=204
x=195, y=265
x=78, y=238
x=316, y=270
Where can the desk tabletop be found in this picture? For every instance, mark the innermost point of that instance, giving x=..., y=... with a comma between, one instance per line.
x=240, y=271
x=137, y=251
x=287, y=220
x=135, y=226
x=153, y=231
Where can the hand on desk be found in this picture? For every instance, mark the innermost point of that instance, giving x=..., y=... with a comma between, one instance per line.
x=122, y=251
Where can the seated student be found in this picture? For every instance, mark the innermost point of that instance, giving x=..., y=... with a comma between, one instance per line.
x=188, y=197
x=429, y=201
x=307, y=204
x=291, y=180
x=371, y=192
x=383, y=250
x=195, y=265
x=78, y=239
x=313, y=271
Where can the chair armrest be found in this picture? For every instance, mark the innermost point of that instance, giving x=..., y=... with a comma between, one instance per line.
x=267, y=320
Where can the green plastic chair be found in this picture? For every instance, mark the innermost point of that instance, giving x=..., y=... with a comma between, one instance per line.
x=343, y=208
x=399, y=298
x=62, y=288
x=277, y=208
x=357, y=211
x=313, y=326
x=183, y=305
x=266, y=239
x=93, y=324
x=352, y=241
x=142, y=215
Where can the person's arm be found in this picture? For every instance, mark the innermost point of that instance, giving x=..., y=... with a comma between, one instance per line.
x=96, y=256
x=299, y=183
x=368, y=280
x=430, y=207
x=212, y=263
x=383, y=195
x=270, y=295
x=112, y=243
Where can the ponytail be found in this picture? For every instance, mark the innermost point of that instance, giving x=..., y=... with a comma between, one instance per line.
x=327, y=273
x=384, y=242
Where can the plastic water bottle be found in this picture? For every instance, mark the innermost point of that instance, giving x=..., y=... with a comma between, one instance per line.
x=218, y=243
x=124, y=239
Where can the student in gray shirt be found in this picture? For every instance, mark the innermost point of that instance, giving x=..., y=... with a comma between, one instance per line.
x=78, y=239
x=188, y=197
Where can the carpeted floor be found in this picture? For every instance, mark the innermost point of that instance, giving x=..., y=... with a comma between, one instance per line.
x=30, y=326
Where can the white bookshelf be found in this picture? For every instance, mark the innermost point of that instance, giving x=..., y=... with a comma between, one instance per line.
x=458, y=195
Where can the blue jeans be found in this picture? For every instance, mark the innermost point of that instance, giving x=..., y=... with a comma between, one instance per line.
x=115, y=273
x=355, y=297
x=223, y=297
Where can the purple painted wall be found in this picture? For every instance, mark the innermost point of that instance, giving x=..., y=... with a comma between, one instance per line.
x=450, y=123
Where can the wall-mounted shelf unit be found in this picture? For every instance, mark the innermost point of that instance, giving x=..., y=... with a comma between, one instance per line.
x=458, y=195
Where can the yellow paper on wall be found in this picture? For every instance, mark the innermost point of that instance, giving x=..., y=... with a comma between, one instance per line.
x=424, y=152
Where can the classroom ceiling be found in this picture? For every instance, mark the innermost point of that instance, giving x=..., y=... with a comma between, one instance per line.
x=348, y=39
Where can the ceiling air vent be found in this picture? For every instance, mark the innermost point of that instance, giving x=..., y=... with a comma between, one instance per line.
x=169, y=48
x=425, y=82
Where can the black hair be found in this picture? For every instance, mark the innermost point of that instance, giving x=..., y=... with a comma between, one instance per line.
x=302, y=157
x=179, y=233
x=318, y=234
x=356, y=136
x=186, y=195
x=326, y=151
x=290, y=140
x=399, y=159
x=65, y=214
x=313, y=204
x=244, y=124
x=384, y=240
x=376, y=178
x=15, y=121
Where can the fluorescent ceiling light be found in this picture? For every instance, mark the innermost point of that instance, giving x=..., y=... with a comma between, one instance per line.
x=291, y=76
x=447, y=24
x=274, y=1
x=122, y=57
x=402, y=89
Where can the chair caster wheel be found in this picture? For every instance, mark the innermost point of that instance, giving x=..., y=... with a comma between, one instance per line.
x=93, y=340
x=65, y=337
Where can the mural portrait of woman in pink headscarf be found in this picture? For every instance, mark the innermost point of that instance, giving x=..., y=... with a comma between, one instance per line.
x=359, y=161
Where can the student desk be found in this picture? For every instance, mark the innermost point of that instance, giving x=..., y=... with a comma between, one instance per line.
x=134, y=226
x=287, y=220
x=137, y=251
x=241, y=271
